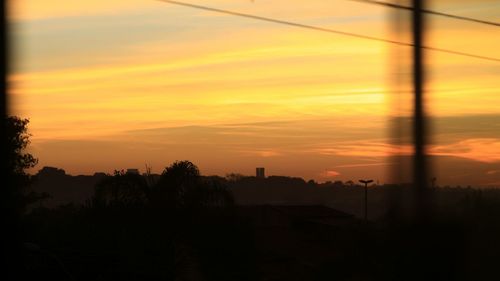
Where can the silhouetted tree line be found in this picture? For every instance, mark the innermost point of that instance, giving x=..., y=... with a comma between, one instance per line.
x=183, y=226
x=132, y=228
x=179, y=186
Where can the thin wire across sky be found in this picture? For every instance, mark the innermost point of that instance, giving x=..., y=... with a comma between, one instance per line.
x=328, y=30
x=431, y=12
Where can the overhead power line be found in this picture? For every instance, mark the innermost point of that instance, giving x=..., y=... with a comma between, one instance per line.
x=431, y=12
x=317, y=28
x=328, y=30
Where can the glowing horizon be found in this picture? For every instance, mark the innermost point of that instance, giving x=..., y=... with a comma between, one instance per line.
x=125, y=83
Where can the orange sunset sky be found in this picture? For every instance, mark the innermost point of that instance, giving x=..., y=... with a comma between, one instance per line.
x=119, y=84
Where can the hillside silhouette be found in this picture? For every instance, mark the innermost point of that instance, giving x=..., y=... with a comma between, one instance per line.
x=274, y=227
x=250, y=190
x=181, y=225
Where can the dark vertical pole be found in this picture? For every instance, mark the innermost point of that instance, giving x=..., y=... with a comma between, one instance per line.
x=366, y=202
x=4, y=60
x=419, y=125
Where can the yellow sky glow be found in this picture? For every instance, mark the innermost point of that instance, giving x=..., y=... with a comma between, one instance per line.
x=90, y=73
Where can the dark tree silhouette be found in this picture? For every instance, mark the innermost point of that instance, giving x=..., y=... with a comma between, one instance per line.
x=121, y=190
x=181, y=186
x=216, y=194
x=234, y=177
x=177, y=184
x=17, y=140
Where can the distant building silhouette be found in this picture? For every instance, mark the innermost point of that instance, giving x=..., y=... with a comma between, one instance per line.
x=133, y=171
x=260, y=173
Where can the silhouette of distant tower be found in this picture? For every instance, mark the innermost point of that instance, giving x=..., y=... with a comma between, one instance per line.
x=260, y=172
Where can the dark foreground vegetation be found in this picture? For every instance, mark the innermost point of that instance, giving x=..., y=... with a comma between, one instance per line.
x=182, y=226
x=212, y=239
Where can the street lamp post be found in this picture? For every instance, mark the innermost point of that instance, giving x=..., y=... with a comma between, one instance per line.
x=366, y=182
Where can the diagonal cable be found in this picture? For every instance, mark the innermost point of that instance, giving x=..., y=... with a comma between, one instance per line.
x=326, y=30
